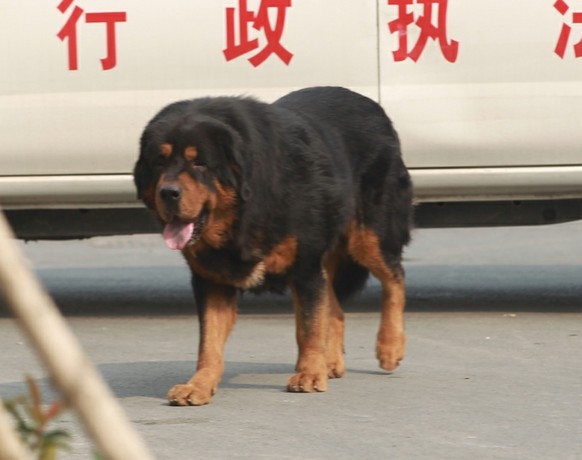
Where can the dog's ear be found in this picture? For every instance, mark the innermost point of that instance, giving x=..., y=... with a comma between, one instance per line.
x=144, y=182
x=238, y=162
x=230, y=146
x=143, y=175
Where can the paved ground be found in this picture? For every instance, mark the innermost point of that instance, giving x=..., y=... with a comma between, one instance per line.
x=493, y=370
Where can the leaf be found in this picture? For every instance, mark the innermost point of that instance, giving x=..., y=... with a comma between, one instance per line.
x=36, y=401
x=54, y=409
x=31, y=420
x=52, y=442
x=12, y=407
x=59, y=436
x=48, y=453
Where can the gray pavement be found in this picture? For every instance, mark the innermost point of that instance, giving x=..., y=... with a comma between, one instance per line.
x=493, y=369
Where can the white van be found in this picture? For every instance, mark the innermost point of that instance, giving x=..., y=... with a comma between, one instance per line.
x=486, y=96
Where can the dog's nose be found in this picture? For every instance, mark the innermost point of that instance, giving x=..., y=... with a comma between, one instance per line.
x=171, y=193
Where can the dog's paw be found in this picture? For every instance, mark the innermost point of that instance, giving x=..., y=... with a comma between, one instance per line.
x=308, y=382
x=336, y=367
x=190, y=395
x=390, y=352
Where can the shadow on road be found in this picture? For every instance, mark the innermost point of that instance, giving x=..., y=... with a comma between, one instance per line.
x=153, y=379
x=161, y=291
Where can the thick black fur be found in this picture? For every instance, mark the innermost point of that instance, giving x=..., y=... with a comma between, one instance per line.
x=305, y=166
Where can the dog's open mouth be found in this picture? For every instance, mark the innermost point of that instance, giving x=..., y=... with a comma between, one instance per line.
x=178, y=234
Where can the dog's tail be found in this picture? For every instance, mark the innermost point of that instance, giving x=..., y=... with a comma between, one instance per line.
x=350, y=278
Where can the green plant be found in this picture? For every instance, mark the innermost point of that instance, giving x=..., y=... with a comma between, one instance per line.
x=32, y=423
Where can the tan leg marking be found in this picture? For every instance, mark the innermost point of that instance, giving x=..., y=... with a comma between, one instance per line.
x=219, y=318
x=335, y=342
x=391, y=343
x=282, y=256
x=364, y=246
x=335, y=345
x=312, y=334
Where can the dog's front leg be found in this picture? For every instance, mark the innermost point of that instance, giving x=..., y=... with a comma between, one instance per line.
x=311, y=303
x=217, y=309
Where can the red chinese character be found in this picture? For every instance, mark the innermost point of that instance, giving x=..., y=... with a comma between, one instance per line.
x=69, y=32
x=564, y=37
x=428, y=30
x=259, y=21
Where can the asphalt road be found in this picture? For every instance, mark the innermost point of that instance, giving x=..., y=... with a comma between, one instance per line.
x=493, y=369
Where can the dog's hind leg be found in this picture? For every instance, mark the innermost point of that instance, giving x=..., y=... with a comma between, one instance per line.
x=391, y=341
x=335, y=341
x=365, y=247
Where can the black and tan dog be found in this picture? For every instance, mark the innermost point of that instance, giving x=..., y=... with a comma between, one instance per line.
x=309, y=193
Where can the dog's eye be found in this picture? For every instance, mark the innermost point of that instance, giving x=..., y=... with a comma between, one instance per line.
x=198, y=165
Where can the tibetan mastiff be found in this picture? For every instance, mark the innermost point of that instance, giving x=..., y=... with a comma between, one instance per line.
x=308, y=193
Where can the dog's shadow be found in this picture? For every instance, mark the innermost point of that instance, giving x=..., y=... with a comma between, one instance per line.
x=153, y=379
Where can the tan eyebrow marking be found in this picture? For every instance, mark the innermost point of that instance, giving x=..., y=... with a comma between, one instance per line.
x=166, y=150
x=190, y=153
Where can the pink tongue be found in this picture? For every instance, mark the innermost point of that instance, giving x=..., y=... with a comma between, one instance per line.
x=177, y=234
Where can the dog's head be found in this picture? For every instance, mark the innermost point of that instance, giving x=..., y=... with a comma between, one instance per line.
x=189, y=172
